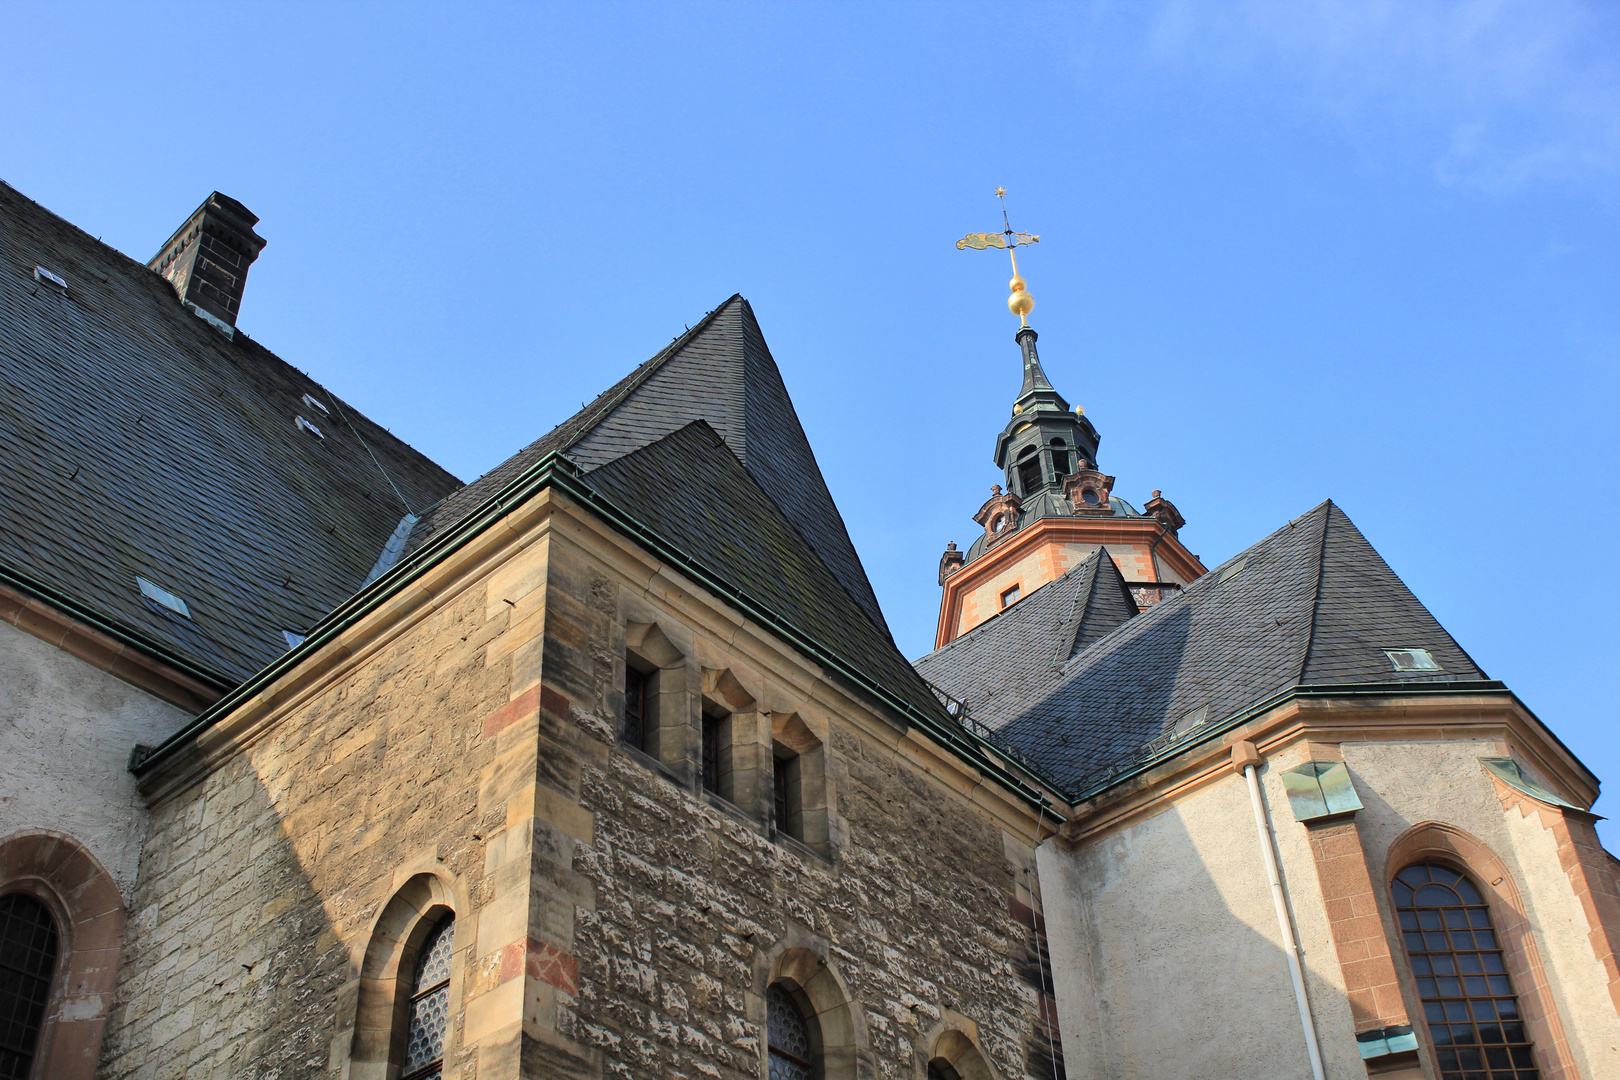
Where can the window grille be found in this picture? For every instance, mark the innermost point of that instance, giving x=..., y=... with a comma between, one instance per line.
x=635, y=708
x=430, y=1005
x=1468, y=1000
x=789, y=1037
x=27, y=962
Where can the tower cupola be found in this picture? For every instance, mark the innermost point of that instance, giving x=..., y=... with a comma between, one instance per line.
x=1046, y=440
x=1058, y=508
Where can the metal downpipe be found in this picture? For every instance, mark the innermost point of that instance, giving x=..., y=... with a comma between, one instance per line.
x=1262, y=827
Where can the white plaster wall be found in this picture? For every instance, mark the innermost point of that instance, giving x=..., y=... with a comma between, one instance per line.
x=1166, y=953
x=66, y=730
x=1405, y=784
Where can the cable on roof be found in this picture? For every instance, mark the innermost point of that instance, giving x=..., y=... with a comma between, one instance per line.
x=409, y=509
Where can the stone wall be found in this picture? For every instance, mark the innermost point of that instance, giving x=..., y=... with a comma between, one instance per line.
x=611, y=918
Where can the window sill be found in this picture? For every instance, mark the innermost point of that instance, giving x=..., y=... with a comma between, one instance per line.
x=647, y=761
x=802, y=849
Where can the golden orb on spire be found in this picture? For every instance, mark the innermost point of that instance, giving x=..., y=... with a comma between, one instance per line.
x=1020, y=303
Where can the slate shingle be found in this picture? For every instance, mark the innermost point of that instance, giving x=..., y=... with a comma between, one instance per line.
x=1311, y=604
x=722, y=373
x=691, y=489
x=135, y=439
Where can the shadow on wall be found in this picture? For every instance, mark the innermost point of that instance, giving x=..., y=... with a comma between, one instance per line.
x=226, y=936
x=1166, y=958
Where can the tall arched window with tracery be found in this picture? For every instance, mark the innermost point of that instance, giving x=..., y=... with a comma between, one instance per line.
x=1468, y=1000
x=429, y=1005
x=790, y=1036
x=27, y=963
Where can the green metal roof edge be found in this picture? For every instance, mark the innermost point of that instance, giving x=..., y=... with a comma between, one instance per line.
x=1303, y=690
x=31, y=586
x=558, y=471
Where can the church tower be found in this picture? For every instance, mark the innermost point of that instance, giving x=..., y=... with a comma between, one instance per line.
x=1056, y=507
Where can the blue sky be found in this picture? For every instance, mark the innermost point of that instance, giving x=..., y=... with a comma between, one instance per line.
x=1290, y=251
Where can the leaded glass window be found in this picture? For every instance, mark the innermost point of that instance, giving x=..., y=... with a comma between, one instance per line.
x=1468, y=1000
x=27, y=961
x=430, y=1004
x=788, y=1035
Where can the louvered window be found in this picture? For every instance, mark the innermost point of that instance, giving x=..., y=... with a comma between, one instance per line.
x=1468, y=1000
x=27, y=962
x=430, y=1005
x=789, y=1035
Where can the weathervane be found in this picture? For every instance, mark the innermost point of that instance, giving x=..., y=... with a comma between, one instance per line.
x=1020, y=303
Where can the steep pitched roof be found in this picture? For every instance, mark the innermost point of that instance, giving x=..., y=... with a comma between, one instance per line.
x=720, y=372
x=137, y=440
x=1311, y=604
x=996, y=666
x=691, y=489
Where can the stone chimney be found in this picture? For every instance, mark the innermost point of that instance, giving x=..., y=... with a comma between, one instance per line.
x=207, y=259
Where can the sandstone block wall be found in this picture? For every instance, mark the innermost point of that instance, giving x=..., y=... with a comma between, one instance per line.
x=612, y=919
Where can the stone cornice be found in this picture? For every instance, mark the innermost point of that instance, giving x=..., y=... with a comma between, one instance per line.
x=1324, y=718
x=34, y=612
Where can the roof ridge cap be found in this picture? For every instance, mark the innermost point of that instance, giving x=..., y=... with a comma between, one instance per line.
x=1326, y=506
x=639, y=377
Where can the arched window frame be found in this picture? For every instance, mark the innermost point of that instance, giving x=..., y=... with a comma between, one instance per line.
x=798, y=966
x=88, y=909
x=953, y=1055
x=387, y=967
x=1447, y=845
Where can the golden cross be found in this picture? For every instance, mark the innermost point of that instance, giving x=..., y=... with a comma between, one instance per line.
x=1020, y=303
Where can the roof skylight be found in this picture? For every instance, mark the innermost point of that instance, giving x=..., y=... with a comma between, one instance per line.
x=293, y=639
x=312, y=403
x=159, y=595
x=309, y=427
x=1412, y=659
x=42, y=274
x=1232, y=571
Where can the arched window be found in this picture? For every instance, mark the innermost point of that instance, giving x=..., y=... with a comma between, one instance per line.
x=430, y=1005
x=27, y=962
x=1468, y=1000
x=1060, y=458
x=790, y=1037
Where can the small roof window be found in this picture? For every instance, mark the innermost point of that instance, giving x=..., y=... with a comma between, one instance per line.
x=159, y=595
x=1232, y=571
x=294, y=639
x=312, y=403
x=42, y=274
x=1193, y=719
x=1412, y=660
x=309, y=427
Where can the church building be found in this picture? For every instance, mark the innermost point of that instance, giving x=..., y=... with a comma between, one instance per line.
x=317, y=762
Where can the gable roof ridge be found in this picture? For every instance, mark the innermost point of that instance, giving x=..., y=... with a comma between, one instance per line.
x=1326, y=507
x=638, y=377
x=1076, y=618
x=815, y=552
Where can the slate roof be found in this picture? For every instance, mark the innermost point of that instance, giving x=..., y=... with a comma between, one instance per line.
x=1004, y=658
x=1311, y=604
x=691, y=488
x=135, y=439
x=721, y=372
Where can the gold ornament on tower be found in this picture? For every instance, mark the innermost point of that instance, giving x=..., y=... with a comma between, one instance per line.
x=1020, y=303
